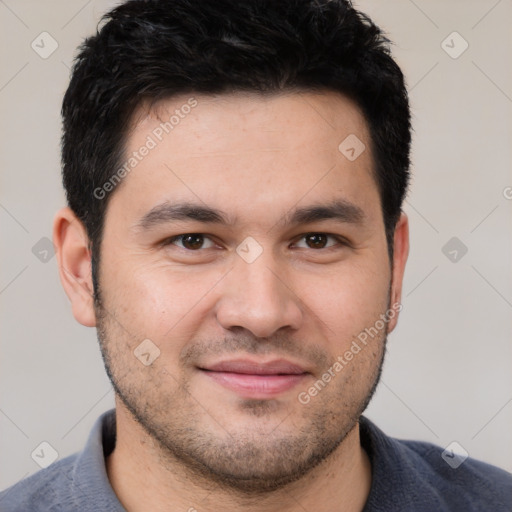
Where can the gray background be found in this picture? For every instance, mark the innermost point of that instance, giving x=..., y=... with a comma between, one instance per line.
x=447, y=375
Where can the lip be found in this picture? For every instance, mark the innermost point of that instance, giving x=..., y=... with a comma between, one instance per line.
x=256, y=379
x=248, y=366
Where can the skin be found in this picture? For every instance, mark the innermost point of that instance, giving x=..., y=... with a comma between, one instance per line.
x=184, y=442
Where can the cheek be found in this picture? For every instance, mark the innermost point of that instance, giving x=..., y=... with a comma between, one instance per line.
x=160, y=302
x=348, y=299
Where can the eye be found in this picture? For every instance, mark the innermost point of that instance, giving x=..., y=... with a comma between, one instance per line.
x=193, y=242
x=319, y=240
x=190, y=241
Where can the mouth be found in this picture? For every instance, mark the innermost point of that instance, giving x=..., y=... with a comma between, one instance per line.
x=255, y=379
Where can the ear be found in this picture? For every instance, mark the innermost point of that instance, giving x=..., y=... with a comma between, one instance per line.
x=74, y=260
x=400, y=254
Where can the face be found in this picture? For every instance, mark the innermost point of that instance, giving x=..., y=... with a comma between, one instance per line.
x=243, y=256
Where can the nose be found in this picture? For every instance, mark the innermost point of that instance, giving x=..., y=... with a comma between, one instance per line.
x=259, y=297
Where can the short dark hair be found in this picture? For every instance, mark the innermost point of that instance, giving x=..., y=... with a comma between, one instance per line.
x=154, y=49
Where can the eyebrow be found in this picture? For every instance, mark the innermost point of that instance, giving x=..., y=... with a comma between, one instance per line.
x=167, y=212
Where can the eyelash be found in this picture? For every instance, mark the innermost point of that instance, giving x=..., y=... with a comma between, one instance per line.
x=340, y=241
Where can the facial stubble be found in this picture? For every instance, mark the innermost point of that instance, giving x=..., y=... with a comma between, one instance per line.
x=247, y=464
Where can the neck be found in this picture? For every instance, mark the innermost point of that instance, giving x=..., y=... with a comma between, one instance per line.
x=143, y=482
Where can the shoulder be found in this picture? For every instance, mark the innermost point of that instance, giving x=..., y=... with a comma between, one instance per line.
x=77, y=482
x=48, y=489
x=459, y=479
x=417, y=475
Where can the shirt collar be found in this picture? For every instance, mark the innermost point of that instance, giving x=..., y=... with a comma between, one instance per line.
x=90, y=478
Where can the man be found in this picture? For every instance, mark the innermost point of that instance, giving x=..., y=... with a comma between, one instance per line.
x=235, y=173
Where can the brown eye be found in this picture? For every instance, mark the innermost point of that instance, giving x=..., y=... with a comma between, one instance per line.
x=316, y=240
x=191, y=241
x=320, y=240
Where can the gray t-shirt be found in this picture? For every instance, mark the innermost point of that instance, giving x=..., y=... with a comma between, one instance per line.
x=407, y=476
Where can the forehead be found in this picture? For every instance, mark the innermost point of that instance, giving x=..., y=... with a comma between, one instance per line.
x=282, y=117
x=246, y=150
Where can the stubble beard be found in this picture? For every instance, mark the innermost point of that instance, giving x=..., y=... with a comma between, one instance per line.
x=244, y=464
